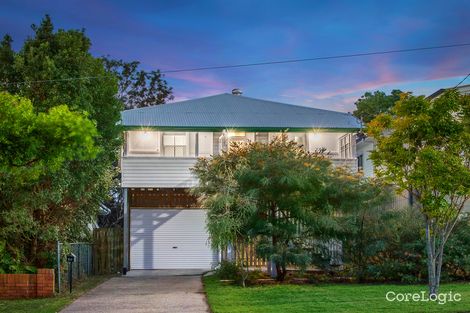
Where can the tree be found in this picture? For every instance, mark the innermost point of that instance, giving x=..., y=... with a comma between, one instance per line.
x=372, y=104
x=138, y=88
x=424, y=146
x=31, y=145
x=45, y=70
x=7, y=58
x=277, y=195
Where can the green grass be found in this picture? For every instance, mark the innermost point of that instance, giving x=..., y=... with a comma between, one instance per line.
x=54, y=304
x=325, y=298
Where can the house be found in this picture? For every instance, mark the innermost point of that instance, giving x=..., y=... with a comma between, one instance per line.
x=164, y=228
x=463, y=89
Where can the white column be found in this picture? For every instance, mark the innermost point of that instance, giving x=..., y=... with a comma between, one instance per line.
x=126, y=230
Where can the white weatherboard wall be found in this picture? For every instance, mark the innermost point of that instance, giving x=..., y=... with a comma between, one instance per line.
x=205, y=144
x=364, y=148
x=141, y=172
x=170, y=239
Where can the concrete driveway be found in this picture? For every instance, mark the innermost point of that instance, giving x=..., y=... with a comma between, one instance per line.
x=145, y=291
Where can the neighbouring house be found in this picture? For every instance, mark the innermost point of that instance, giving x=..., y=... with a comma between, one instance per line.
x=463, y=89
x=164, y=228
x=364, y=145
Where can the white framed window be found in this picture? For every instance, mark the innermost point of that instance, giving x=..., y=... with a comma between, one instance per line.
x=262, y=137
x=345, y=151
x=174, y=144
x=143, y=142
x=236, y=134
x=360, y=163
x=298, y=138
x=229, y=137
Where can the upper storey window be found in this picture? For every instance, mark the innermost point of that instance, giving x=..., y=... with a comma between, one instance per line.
x=174, y=144
x=143, y=142
x=345, y=147
x=161, y=144
x=299, y=138
x=262, y=137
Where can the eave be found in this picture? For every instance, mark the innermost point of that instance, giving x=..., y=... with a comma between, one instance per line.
x=245, y=129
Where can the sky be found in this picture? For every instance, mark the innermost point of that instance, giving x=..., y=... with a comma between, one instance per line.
x=169, y=35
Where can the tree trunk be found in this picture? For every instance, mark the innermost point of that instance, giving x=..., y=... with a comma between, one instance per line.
x=360, y=275
x=439, y=263
x=435, y=241
x=431, y=260
x=280, y=273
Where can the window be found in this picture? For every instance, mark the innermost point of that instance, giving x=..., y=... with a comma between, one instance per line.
x=345, y=146
x=236, y=134
x=143, y=142
x=360, y=163
x=174, y=144
x=232, y=137
x=299, y=138
x=262, y=137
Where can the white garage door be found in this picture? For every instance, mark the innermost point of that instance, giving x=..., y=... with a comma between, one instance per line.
x=169, y=239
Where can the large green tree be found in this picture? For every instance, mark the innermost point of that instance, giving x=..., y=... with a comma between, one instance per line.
x=424, y=146
x=32, y=145
x=53, y=68
x=277, y=195
x=372, y=104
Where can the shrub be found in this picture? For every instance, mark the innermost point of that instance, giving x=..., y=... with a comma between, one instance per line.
x=457, y=252
x=385, y=245
x=10, y=264
x=228, y=270
x=388, y=245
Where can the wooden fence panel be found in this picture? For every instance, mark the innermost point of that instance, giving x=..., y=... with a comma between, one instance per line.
x=107, y=250
x=245, y=254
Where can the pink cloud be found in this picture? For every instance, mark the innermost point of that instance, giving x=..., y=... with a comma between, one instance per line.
x=198, y=93
x=445, y=68
x=384, y=74
x=201, y=79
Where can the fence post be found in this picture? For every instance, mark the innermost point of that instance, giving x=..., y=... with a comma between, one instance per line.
x=78, y=260
x=58, y=266
x=88, y=260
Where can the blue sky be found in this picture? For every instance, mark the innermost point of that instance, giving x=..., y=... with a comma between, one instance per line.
x=177, y=34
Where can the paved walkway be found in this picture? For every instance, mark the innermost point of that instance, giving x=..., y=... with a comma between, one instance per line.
x=142, y=291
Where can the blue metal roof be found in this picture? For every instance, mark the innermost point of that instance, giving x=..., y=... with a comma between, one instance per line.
x=227, y=111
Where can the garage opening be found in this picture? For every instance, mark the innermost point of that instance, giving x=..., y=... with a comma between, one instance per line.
x=165, y=237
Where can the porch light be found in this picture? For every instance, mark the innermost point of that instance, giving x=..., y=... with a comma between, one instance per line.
x=315, y=136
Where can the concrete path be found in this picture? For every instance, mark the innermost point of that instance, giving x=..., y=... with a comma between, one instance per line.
x=142, y=291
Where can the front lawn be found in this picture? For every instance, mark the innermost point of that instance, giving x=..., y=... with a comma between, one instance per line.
x=54, y=304
x=325, y=298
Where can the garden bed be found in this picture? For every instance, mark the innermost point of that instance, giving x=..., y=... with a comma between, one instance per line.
x=295, y=277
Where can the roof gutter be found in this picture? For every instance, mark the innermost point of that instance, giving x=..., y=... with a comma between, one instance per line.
x=246, y=129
